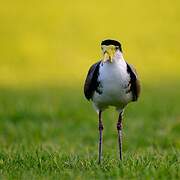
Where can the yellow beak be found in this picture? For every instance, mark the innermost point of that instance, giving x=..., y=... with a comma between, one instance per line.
x=109, y=53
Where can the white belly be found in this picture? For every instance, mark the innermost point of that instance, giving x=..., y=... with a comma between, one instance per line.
x=114, y=81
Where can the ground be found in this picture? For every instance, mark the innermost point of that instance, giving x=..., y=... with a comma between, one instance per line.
x=48, y=130
x=53, y=133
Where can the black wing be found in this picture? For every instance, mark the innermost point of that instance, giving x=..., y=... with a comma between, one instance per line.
x=91, y=83
x=135, y=87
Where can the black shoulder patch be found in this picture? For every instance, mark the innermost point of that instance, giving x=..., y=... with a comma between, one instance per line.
x=134, y=82
x=91, y=82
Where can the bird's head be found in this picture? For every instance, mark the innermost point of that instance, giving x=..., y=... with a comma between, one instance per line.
x=109, y=49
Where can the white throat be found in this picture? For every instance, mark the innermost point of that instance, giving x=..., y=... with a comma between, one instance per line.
x=119, y=59
x=118, y=55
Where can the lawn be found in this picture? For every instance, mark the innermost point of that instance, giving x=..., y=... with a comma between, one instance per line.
x=48, y=129
x=52, y=132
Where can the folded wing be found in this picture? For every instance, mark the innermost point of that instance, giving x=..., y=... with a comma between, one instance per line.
x=135, y=87
x=91, y=82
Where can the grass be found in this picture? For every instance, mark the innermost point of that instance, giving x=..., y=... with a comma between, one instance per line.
x=52, y=133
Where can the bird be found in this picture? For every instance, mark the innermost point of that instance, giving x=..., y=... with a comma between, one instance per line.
x=111, y=82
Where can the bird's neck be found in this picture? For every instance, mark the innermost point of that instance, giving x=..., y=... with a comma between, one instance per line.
x=118, y=58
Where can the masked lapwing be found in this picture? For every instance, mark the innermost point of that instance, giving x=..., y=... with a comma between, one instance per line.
x=111, y=82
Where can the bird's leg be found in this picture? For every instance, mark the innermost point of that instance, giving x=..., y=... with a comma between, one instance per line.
x=119, y=128
x=100, y=136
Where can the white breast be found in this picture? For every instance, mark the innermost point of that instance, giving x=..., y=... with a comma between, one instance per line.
x=114, y=81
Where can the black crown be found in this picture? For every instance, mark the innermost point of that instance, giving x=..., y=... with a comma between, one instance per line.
x=108, y=42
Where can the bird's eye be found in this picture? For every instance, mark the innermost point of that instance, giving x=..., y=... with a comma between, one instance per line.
x=117, y=47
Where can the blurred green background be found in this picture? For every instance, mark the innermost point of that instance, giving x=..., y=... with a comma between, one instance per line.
x=48, y=42
x=48, y=129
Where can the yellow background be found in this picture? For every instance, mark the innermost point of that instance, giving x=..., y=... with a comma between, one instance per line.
x=55, y=42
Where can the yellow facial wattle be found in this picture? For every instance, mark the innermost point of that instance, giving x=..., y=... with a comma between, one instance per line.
x=109, y=53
